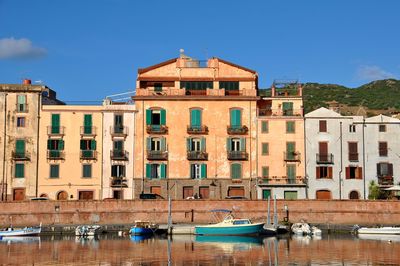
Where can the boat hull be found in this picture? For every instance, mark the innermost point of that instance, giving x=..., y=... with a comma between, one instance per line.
x=21, y=232
x=140, y=231
x=380, y=230
x=243, y=229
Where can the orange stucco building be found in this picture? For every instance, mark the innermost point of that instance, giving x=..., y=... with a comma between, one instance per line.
x=196, y=129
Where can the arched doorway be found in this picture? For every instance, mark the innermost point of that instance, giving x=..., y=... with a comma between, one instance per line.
x=62, y=195
x=323, y=194
x=354, y=195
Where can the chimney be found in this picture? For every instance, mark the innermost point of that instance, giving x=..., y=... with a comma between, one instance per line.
x=27, y=82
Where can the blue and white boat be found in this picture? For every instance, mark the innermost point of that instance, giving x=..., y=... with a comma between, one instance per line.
x=27, y=231
x=143, y=228
x=231, y=226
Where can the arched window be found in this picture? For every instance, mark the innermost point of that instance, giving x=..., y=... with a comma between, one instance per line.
x=354, y=195
x=62, y=195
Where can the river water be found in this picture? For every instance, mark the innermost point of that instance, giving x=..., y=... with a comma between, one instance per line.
x=201, y=250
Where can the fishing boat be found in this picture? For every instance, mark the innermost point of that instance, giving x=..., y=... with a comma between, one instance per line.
x=87, y=230
x=27, y=231
x=387, y=230
x=143, y=228
x=231, y=226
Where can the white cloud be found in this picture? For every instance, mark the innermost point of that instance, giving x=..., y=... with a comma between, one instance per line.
x=11, y=48
x=371, y=72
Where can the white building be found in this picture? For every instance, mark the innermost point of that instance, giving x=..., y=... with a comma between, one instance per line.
x=118, y=150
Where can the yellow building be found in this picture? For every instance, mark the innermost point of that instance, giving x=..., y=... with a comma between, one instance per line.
x=70, y=156
x=280, y=134
x=196, y=129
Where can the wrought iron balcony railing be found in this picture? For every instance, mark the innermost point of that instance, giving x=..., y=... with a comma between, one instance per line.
x=197, y=155
x=119, y=155
x=88, y=155
x=324, y=158
x=21, y=156
x=55, y=130
x=55, y=155
x=197, y=130
x=157, y=129
x=157, y=155
x=291, y=156
x=88, y=131
x=238, y=155
x=237, y=130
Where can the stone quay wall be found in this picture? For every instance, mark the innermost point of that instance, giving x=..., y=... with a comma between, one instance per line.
x=114, y=212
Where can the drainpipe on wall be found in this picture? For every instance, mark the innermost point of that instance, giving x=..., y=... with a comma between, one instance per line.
x=37, y=143
x=4, y=147
x=341, y=162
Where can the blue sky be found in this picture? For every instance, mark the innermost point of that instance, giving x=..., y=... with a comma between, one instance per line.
x=88, y=49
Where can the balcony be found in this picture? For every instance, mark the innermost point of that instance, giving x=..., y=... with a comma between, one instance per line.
x=177, y=92
x=22, y=108
x=195, y=92
x=119, y=182
x=55, y=155
x=353, y=157
x=118, y=155
x=197, y=155
x=55, y=131
x=279, y=112
x=88, y=155
x=157, y=129
x=237, y=130
x=197, y=130
x=291, y=156
x=385, y=180
x=119, y=131
x=88, y=131
x=326, y=158
x=20, y=156
x=238, y=155
x=282, y=180
x=157, y=155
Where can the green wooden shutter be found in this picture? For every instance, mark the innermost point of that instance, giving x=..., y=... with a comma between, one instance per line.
x=20, y=146
x=195, y=118
x=93, y=145
x=264, y=126
x=148, y=116
x=191, y=170
x=265, y=171
x=87, y=170
x=82, y=144
x=148, y=144
x=203, y=171
x=163, y=144
x=236, y=117
x=203, y=144
x=290, y=150
x=287, y=108
x=291, y=173
x=188, y=144
x=49, y=144
x=54, y=171
x=148, y=170
x=87, y=124
x=228, y=144
x=19, y=170
x=290, y=127
x=236, y=171
x=21, y=99
x=55, y=123
x=162, y=170
x=242, y=144
x=61, y=145
x=264, y=147
x=162, y=117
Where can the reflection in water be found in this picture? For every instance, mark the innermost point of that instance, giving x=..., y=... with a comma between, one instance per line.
x=199, y=250
x=139, y=238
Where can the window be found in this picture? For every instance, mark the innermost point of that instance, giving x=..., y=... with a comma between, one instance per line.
x=118, y=194
x=236, y=144
x=198, y=171
x=204, y=192
x=353, y=172
x=229, y=85
x=154, y=171
x=323, y=195
x=266, y=194
x=290, y=195
x=324, y=172
x=322, y=126
x=158, y=87
x=118, y=170
x=196, y=144
x=290, y=127
x=264, y=148
x=119, y=123
x=236, y=118
x=236, y=171
x=188, y=192
x=382, y=128
x=54, y=170
x=85, y=195
x=384, y=169
x=354, y=195
x=264, y=127
x=19, y=170
x=156, y=144
x=88, y=146
x=287, y=108
x=87, y=171
x=21, y=103
x=197, y=85
x=290, y=151
x=55, y=123
x=265, y=171
x=383, y=148
x=20, y=148
x=195, y=118
x=291, y=173
x=352, y=128
x=20, y=121
x=155, y=117
x=87, y=124
x=353, y=151
x=54, y=147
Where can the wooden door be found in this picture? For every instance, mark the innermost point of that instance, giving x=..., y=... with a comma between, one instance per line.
x=85, y=195
x=19, y=194
x=236, y=191
x=324, y=194
x=204, y=192
x=187, y=192
x=62, y=195
x=323, y=151
x=156, y=190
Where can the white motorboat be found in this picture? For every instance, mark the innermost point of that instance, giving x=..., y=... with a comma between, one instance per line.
x=386, y=230
x=305, y=229
x=27, y=231
x=87, y=230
